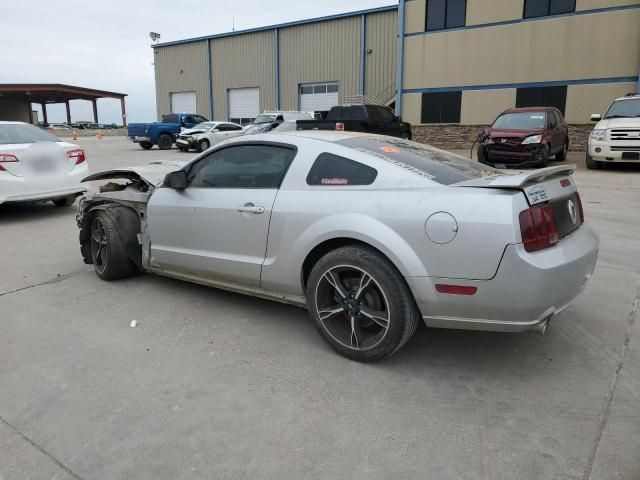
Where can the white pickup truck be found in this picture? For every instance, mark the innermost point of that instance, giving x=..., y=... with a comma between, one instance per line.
x=616, y=136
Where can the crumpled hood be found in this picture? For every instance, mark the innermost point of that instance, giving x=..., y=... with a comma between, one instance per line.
x=153, y=173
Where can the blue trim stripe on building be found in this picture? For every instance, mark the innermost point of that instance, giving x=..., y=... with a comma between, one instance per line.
x=276, y=34
x=338, y=16
x=210, y=74
x=400, y=61
x=363, y=51
x=527, y=20
x=497, y=86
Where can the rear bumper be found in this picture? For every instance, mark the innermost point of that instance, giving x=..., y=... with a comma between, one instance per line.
x=137, y=139
x=620, y=151
x=527, y=289
x=19, y=189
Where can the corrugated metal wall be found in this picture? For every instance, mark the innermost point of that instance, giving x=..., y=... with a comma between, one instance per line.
x=381, y=38
x=243, y=61
x=319, y=52
x=182, y=68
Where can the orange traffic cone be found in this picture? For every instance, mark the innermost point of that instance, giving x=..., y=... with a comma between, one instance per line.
x=99, y=135
x=74, y=135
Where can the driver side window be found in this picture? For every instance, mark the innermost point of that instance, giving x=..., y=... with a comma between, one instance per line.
x=243, y=166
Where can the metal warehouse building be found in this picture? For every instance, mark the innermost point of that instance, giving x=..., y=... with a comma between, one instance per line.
x=461, y=62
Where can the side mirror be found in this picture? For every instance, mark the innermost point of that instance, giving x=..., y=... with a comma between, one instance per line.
x=596, y=117
x=274, y=125
x=176, y=180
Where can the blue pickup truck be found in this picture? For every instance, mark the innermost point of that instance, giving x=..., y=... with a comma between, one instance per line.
x=164, y=133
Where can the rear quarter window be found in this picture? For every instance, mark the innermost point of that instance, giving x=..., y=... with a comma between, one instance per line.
x=334, y=170
x=428, y=162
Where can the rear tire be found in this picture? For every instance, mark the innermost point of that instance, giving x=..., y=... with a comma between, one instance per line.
x=64, y=201
x=592, y=164
x=165, y=142
x=360, y=303
x=203, y=145
x=108, y=254
x=146, y=145
x=561, y=156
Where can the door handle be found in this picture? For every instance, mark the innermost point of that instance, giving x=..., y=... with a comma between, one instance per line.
x=251, y=208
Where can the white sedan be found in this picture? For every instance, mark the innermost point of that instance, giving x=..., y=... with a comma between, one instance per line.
x=36, y=166
x=215, y=133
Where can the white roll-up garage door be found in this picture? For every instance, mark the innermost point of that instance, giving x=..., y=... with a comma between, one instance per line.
x=244, y=104
x=183, y=102
x=318, y=97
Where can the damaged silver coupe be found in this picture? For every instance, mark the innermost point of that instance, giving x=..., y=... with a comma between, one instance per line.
x=370, y=233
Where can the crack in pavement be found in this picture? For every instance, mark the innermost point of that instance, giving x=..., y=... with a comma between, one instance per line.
x=604, y=413
x=59, y=278
x=41, y=450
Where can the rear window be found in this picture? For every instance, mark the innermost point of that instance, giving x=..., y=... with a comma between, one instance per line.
x=440, y=166
x=171, y=118
x=520, y=121
x=21, y=134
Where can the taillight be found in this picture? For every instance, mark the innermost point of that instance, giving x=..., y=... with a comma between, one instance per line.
x=78, y=154
x=7, y=158
x=580, y=210
x=538, y=228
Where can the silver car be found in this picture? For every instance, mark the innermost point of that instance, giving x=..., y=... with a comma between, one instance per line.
x=370, y=233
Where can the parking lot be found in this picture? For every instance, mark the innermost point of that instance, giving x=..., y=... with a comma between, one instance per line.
x=210, y=384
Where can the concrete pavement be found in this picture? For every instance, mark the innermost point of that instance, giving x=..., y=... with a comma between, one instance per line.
x=211, y=384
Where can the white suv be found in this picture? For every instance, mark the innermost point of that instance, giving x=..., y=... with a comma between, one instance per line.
x=616, y=137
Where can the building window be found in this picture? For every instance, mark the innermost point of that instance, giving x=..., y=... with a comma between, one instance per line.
x=542, y=97
x=331, y=170
x=441, y=107
x=543, y=8
x=443, y=14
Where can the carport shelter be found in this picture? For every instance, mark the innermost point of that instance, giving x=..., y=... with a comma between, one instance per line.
x=16, y=100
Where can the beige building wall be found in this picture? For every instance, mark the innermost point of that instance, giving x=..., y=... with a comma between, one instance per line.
x=412, y=108
x=583, y=100
x=243, y=61
x=320, y=52
x=12, y=110
x=480, y=107
x=381, y=63
x=414, y=16
x=546, y=50
x=182, y=68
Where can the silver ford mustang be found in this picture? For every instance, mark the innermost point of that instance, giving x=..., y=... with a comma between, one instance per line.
x=370, y=233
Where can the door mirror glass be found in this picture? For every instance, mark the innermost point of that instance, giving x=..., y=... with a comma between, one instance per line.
x=176, y=180
x=596, y=117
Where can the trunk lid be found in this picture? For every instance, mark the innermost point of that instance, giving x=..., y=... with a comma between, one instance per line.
x=552, y=185
x=39, y=160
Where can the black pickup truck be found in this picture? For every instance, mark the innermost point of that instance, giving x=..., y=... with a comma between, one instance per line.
x=361, y=118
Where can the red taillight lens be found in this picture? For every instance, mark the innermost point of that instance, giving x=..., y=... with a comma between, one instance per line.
x=580, y=210
x=538, y=228
x=78, y=154
x=456, y=289
x=7, y=158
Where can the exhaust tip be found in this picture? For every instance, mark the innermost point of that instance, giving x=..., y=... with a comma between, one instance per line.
x=541, y=328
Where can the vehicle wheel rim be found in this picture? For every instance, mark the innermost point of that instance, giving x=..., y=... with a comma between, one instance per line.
x=352, y=307
x=205, y=145
x=99, y=245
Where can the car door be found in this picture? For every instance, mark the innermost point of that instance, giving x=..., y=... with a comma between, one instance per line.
x=229, y=130
x=216, y=228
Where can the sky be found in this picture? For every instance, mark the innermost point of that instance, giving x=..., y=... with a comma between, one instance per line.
x=106, y=45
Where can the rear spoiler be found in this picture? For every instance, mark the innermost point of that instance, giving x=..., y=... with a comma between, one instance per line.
x=518, y=180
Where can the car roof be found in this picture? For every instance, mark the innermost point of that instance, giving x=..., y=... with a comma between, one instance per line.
x=527, y=109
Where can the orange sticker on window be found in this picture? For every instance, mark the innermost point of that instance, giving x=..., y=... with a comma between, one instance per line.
x=389, y=149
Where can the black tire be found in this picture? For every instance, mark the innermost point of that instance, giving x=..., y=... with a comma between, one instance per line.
x=183, y=150
x=375, y=321
x=592, y=164
x=108, y=255
x=406, y=135
x=482, y=156
x=203, y=145
x=544, y=157
x=561, y=156
x=165, y=142
x=64, y=201
x=146, y=145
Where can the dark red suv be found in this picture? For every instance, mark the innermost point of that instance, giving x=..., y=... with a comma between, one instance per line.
x=523, y=137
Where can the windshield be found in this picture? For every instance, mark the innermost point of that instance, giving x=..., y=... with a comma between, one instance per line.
x=520, y=121
x=260, y=128
x=265, y=118
x=624, y=109
x=286, y=127
x=428, y=162
x=20, y=134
